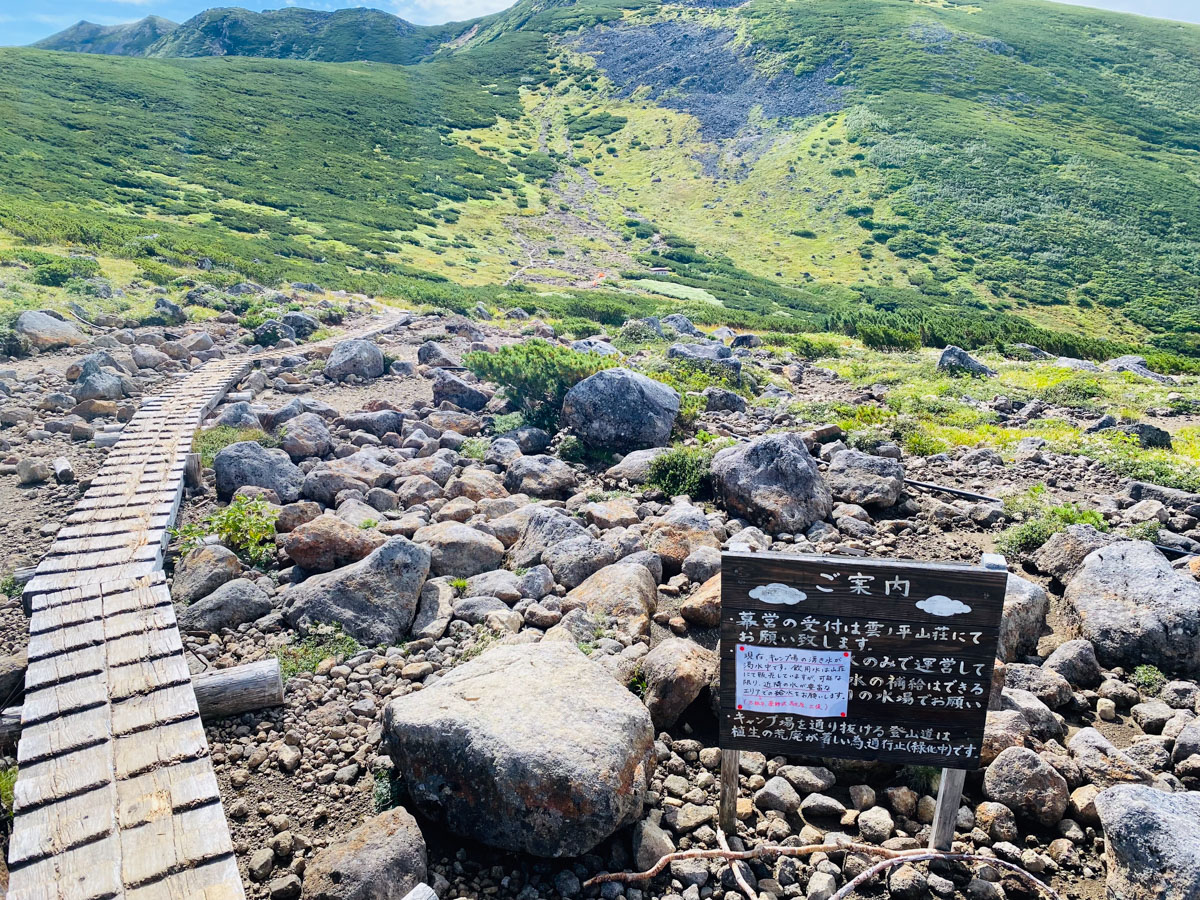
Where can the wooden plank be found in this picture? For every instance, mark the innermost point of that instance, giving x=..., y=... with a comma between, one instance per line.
x=54, y=829
x=89, y=872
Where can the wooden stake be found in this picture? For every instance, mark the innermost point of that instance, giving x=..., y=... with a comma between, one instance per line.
x=727, y=811
x=941, y=837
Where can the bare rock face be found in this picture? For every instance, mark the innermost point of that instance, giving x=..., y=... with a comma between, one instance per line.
x=1135, y=609
x=772, y=481
x=620, y=410
x=382, y=859
x=530, y=748
x=374, y=600
x=1150, y=842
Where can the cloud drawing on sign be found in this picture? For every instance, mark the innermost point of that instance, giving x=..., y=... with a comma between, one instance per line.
x=778, y=594
x=941, y=605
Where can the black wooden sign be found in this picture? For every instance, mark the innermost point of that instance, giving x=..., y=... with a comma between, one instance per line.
x=853, y=658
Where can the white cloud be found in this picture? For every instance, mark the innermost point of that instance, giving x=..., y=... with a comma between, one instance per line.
x=941, y=605
x=778, y=594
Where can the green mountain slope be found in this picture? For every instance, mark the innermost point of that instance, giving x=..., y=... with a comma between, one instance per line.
x=908, y=171
x=340, y=36
x=131, y=39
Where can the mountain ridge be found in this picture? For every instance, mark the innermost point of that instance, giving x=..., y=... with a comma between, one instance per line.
x=127, y=39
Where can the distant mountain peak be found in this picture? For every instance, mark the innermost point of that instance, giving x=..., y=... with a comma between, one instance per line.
x=129, y=39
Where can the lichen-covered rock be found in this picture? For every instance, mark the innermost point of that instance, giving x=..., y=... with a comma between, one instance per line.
x=530, y=748
x=772, y=481
x=620, y=410
x=41, y=331
x=458, y=550
x=678, y=534
x=306, y=436
x=625, y=591
x=1136, y=609
x=374, y=600
x=1025, y=607
x=540, y=476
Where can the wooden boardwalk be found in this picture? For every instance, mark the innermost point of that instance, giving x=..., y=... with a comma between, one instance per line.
x=116, y=796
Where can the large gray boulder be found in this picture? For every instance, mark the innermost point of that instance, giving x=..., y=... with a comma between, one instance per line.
x=1136, y=365
x=354, y=357
x=709, y=353
x=620, y=411
x=540, y=476
x=305, y=436
x=530, y=748
x=230, y=605
x=250, y=463
x=958, y=361
x=544, y=527
x=1150, y=842
x=42, y=331
x=237, y=415
x=458, y=550
x=449, y=388
x=857, y=477
x=382, y=859
x=1060, y=556
x=676, y=671
x=772, y=481
x=1027, y=784
x=1136, y=609
x=374, y=600
x=1025, y=607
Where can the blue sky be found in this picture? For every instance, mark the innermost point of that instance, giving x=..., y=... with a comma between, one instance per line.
x=25, y=21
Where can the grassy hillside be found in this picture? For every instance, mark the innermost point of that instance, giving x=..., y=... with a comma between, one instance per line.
x=910, y=172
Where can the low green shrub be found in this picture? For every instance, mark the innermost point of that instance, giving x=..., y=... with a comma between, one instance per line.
x=536, y=375
x=683, y=470
x=246, y=526
x=1148, y=679
x=320, y=645
x=1042, y=523
x=212, y=441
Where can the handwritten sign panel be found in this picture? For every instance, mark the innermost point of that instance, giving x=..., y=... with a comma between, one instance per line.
x=857, y=658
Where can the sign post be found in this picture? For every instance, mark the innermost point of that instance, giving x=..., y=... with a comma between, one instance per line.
x=855, y=658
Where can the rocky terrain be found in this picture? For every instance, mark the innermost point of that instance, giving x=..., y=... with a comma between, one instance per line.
x=499, y=637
